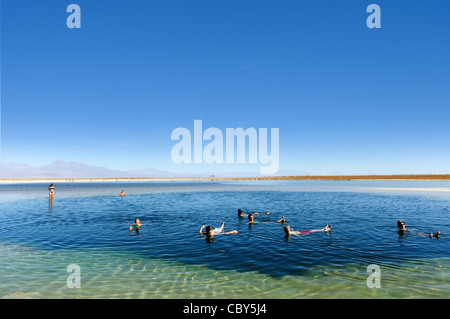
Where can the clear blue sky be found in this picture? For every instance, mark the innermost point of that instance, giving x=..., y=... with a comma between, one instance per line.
x=347, y=99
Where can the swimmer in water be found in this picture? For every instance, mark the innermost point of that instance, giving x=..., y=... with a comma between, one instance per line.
x=211, y=231
x=122, y=193
x=401, y=226
x=241, y=213
x=402, y=229
x=251, y=220
x=136, y=225
x=290, y=231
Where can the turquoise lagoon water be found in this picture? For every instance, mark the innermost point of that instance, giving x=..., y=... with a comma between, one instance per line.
x=87, y=225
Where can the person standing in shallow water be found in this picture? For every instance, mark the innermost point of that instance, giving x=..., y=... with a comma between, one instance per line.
x=51, y=190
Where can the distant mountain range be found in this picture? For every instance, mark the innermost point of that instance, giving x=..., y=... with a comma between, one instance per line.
x=63, y=169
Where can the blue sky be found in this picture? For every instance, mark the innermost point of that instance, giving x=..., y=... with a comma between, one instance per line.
x=346, y=99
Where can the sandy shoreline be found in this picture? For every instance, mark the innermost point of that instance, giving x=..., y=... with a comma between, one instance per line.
x=268, y=178
x=427, y=189
x=443, y=177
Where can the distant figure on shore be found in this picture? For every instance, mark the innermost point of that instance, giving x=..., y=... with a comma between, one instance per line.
x=136, y=225
x=241, y=213
x=122, y=193
x=51, y=190
x=290, y=231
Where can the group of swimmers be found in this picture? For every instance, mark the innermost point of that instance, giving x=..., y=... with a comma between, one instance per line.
x=210, y=231
x=288, y=230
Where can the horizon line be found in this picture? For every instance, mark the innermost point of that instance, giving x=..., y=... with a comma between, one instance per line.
x=212, y=177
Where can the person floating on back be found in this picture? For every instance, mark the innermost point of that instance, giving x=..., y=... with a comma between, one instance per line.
x=211, y=231
x=402, y=230
x=241, y=213
x=290, y=231
x=251, y=220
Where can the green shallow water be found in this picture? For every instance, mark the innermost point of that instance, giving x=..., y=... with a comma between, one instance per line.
x=107, y=273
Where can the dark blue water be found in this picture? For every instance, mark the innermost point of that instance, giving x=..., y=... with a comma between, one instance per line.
x=364, y=230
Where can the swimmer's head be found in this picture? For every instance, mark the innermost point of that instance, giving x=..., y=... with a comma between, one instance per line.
x=240, y=212
x=400, y=224
x=250, y=216
x=286, y=229
x=137, y=221
x=209, y=230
